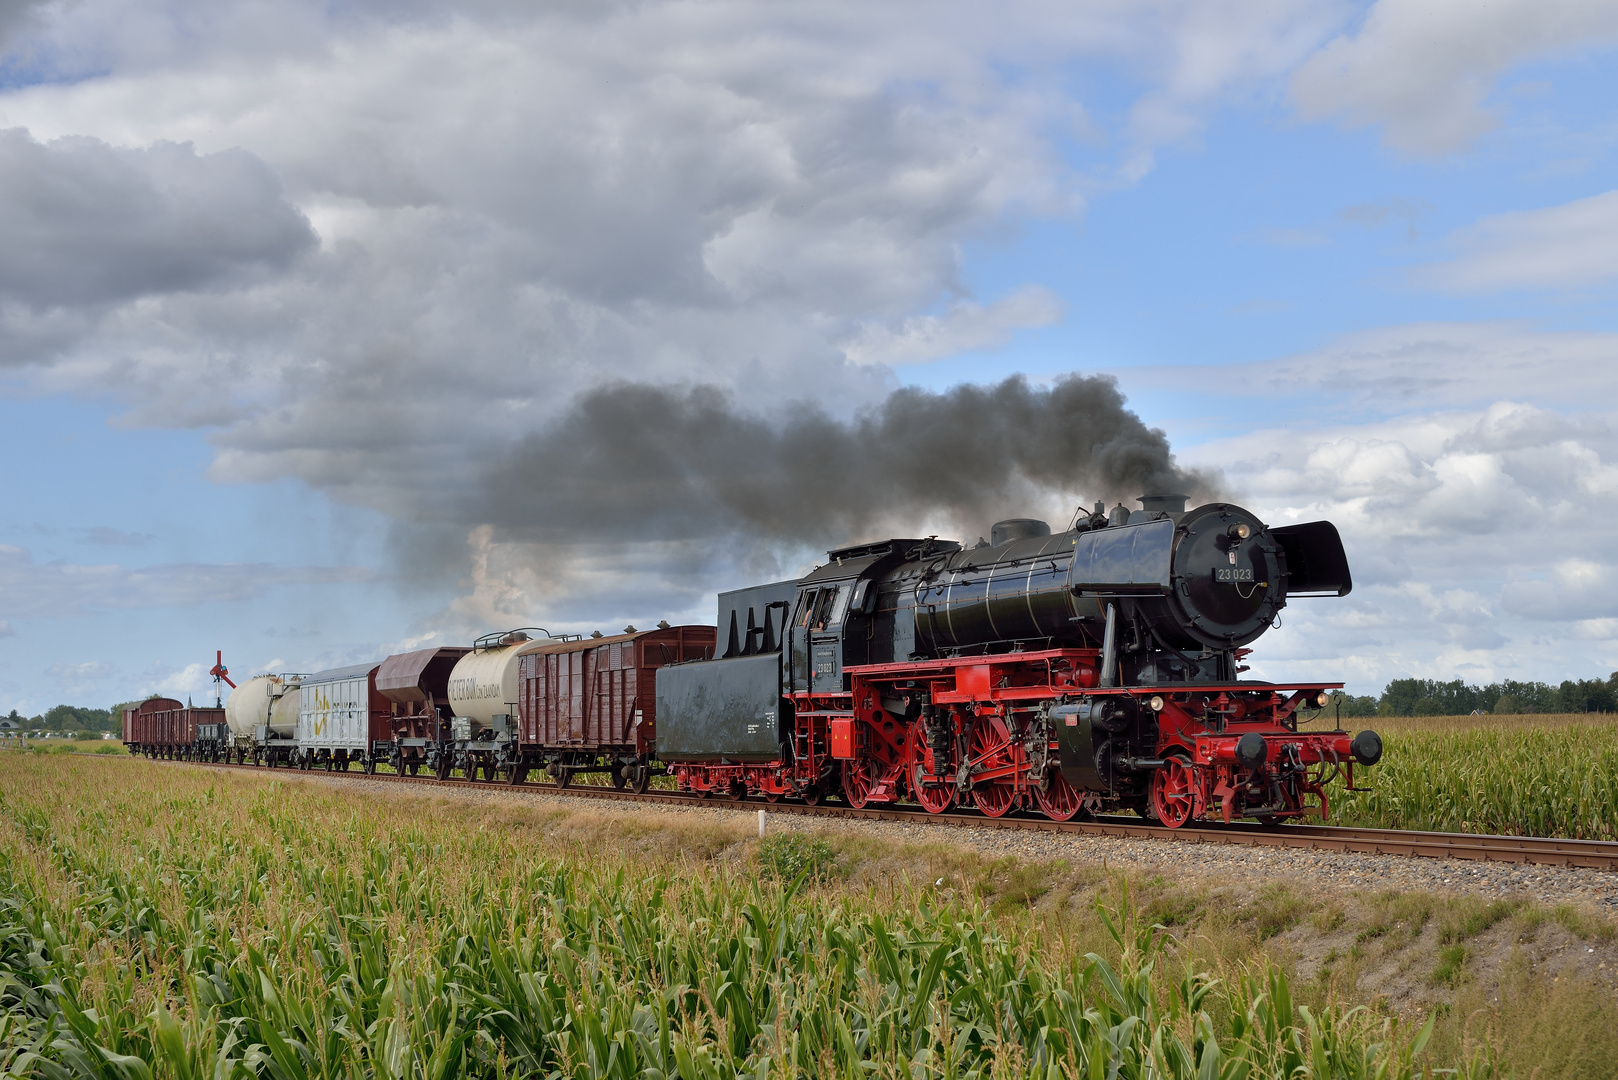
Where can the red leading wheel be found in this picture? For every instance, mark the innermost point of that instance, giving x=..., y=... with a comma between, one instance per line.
x=1172, y=796
x=935, y=797
x=857, y=782
x=990, y=750
x=1060, y=801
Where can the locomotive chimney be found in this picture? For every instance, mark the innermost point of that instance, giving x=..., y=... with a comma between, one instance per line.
x=1172, y=505
x=1011, y=529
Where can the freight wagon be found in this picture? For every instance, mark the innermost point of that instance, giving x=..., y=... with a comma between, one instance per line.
x=141, y=735
x=590, y=706
x=163, y=727
x=342, y=717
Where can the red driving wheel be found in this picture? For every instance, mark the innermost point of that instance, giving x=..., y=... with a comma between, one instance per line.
x=1060, y=800
x=935, y=797
x=990, y=750
x=1172, y=796
x=857, y=782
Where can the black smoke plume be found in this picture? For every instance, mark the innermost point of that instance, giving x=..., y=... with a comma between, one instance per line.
x=633, y=461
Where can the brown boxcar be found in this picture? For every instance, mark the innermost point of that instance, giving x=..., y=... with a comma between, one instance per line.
x=417, y=685
x=599, y=694
x=141, y=728
x=186, y=726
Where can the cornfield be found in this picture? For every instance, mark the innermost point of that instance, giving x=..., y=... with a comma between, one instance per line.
x=162, y=922
x=1556, y=776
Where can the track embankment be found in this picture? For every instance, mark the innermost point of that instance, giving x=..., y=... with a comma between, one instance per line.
x=1586, y=854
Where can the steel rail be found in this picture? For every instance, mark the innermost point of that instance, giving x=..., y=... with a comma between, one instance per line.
x=1474, y=847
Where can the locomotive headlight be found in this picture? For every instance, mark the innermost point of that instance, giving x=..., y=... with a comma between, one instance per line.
x=1239, y=531
x=1322, y=699
x=1155, y=703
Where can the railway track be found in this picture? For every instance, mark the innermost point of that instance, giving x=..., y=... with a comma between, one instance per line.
x=1588, y=854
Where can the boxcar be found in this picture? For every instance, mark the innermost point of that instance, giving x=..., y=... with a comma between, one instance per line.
x=341, y=716
x=590, y=705
x=141, y=731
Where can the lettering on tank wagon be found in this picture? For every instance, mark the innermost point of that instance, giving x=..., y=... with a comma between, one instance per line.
x=469, y=688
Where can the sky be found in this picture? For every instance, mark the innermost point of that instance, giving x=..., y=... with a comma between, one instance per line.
x=329, y=330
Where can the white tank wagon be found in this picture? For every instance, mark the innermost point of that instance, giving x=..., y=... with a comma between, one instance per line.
x=483, y=698
x=262, y=714
x=341, y=718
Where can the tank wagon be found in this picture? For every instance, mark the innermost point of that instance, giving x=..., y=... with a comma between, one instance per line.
x=1096, y=669
x=262, y=715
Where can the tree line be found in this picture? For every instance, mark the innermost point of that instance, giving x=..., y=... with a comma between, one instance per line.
x=1431, y=697
x=74, y=720
x=71, y=720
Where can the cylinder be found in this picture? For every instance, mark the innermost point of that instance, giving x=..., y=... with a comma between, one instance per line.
x=264, y=700
x=483, y=684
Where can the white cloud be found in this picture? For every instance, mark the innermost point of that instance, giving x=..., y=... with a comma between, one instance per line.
x=966, y=326
x=30, y=590
x=516, y=203
x=1477, y=541
x=84, y=223
x=1400, y=369
x=1565, y=246
x=81, y=678
x=179, y=683
x=1424, y=69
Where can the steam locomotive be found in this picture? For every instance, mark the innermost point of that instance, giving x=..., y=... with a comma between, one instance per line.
x=1093, y=670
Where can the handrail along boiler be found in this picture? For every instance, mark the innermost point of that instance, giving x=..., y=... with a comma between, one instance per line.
x=1089, y=670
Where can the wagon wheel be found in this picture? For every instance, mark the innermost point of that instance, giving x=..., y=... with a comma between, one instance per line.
x=618, y=778
x=564, y=777
x=736, y=792
x=811, y=795
x=443, y=769
x=516, y=773
x=857, y=782
x=1172, y=796
x=414, y=767
x=990, y=748
x=936, y=797
x=368, y=766
x=772, y=796
x=331, y=762
x=1059, y=799
x=641, y=780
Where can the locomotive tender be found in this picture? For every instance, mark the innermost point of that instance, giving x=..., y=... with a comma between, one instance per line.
x=1091, y=670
